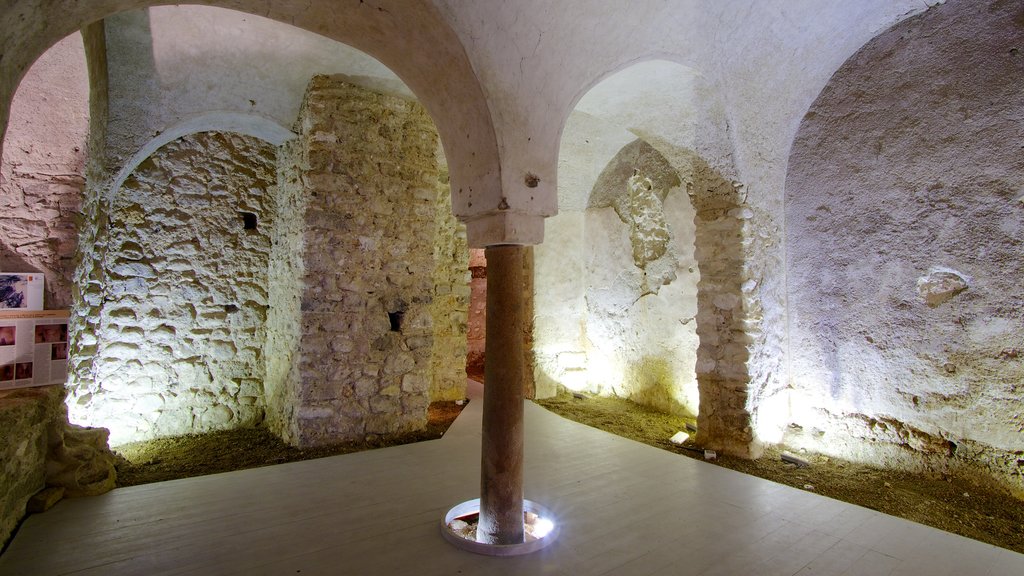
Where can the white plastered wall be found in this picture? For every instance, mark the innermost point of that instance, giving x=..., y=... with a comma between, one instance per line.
x=599, y=326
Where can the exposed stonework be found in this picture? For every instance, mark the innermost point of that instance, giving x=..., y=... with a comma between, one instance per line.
x=940, y=285
x=178, y=293
x=641, y=209
x=285, y=280
x=904, y=234
x=727, y=317
x=41, y=194
x=44, y=450
x=891, y=443
x=361, y=213
x=25, y=417
x=42, y=175
x=477, y=323
x=79, y=459
x=450, y=306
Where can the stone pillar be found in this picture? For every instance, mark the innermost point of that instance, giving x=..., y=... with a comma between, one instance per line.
x=501, y=471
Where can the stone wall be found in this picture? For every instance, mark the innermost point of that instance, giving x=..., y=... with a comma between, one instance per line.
x=641, y=283
x=25, y=417
x=175, y=269
x=41, y=195
x=286, y=271
x=476, y=335
x=449, y=307
x=726, y=324
x=41, y=450
x=904, y=235
x=42, y=174
x=361, y=206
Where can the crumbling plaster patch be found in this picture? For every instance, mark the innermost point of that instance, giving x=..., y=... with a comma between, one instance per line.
x=739, y=356
x=904, y=235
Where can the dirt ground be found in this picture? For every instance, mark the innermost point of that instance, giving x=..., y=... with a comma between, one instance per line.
x=197, y=455
x=951, y=504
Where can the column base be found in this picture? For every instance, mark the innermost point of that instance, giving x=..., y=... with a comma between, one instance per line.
x=541, y=531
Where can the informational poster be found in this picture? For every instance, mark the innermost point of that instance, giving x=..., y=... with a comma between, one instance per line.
x=21, y=290
x=33, y=348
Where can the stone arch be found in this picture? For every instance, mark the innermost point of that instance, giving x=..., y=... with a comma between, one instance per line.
x=410, y=38
x=903, y=231
x=259, y=127
x=664, y=112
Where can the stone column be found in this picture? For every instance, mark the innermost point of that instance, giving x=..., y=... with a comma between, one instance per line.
x=501, y=470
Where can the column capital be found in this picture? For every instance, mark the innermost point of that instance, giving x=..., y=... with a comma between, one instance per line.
x=504, y=227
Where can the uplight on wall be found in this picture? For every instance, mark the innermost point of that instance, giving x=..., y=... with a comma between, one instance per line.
x=771, y=417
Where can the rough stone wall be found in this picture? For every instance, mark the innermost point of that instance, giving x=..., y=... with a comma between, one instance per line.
x=42, y=174
x=367, y=167
x=285, y=280
x=476, y=335
x=449, y=307
x=25, y=417
x=904, y=234
x=175, y=270
x=726, y=323
x=41, y=194
x=42, y=450
x=641, y=283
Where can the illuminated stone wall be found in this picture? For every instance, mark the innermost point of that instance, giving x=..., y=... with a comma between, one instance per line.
x=905, y=223
x=179, y=299
x=26, y=417
x=449, y=307
x=728, y=313
x=641, y=283
x=649, y=293
x=43, y=170
x=359, y=208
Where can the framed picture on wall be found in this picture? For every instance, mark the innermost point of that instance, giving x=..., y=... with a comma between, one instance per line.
x=21, y=290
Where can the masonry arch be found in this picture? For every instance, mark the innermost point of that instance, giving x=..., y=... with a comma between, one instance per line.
x=175, y=339
x=410, y=38
x=641, y=296
x=259, y=127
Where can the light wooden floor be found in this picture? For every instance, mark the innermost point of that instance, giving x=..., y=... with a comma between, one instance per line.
x=624, y=508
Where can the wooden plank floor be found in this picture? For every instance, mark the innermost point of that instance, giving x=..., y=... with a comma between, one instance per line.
x=624, y=509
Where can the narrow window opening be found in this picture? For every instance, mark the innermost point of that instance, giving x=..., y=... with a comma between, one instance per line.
x=395, y=318
x=249, y=220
